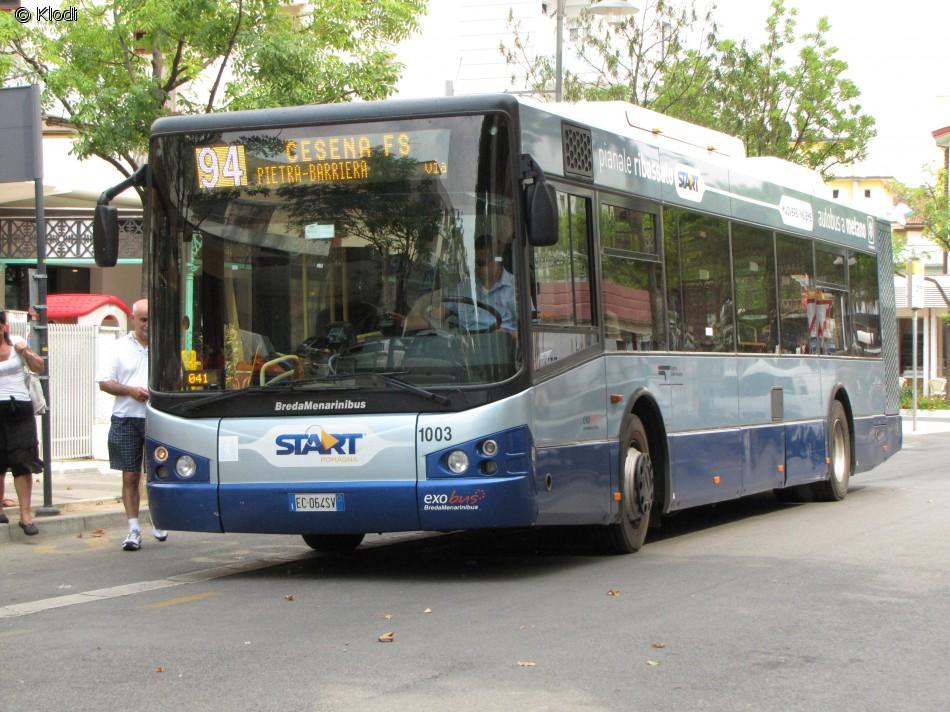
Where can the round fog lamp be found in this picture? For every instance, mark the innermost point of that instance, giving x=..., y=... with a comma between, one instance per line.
x=160, y=454
x=186, y=467
x=489, y=447
x=457, y=462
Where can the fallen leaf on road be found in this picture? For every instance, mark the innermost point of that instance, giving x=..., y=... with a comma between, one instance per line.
x=290, y=597
x=388, y=616
x=613, y=592
x=159, y=669
x=653, y=663
x=526, y=663
x=427, y=610
x=387, y=637
x=99, y=531
x=659, y=645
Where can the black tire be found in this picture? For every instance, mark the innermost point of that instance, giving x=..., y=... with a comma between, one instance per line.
x=333, y=543
x=839, y=454
x=636, y=488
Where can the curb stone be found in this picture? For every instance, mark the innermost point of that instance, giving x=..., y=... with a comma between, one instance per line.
x=69, y=524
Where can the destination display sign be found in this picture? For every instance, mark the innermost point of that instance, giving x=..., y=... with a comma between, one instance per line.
x=314, y=159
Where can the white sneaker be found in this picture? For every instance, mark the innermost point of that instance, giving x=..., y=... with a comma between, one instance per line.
x=133, y=542
x=159, y=534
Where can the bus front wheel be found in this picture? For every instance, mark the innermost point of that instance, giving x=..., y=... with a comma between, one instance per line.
x=333, y=543
x=636, y=492
x=839, y=456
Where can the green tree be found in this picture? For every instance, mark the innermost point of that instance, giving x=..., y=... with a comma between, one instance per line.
x=124, y=63
x=929, y=204
x=625, y=60
x=789, y=97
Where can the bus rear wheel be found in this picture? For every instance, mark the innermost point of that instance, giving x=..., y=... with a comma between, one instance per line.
x=636, y=491
x=333, y=543
x=839, y=453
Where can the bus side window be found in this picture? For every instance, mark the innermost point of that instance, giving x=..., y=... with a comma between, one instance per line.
x=565, y=322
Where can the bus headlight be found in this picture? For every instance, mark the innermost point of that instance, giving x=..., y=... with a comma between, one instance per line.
x=457, y=462
x=186, y=467
x=490, y=447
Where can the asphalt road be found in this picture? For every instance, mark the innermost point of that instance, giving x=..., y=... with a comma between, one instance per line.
x=754, y=605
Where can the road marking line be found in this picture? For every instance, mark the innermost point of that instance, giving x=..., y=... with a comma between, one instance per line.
x=185, y=599
x=46, y=604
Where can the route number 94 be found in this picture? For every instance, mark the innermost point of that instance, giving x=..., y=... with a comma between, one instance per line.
x=437, y=435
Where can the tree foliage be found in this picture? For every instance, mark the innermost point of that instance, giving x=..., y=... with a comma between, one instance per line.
x=789, y=97
x=124, y=63
x=930, y=206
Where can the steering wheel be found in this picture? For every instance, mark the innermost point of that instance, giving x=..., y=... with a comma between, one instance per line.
x=280, y=376
x=457, y=322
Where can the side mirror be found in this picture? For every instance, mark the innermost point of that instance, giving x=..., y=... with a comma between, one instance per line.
x=540, y=203
x=541, y=211
x=105, y=236
x=105, y=225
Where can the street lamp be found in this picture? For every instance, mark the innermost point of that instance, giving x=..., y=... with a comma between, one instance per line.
x=612, y=8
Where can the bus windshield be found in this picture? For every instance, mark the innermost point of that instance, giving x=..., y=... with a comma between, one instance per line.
x=309, y=254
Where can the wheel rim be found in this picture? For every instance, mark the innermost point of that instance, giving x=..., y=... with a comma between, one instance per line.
x=839, y=453
x=637, y=484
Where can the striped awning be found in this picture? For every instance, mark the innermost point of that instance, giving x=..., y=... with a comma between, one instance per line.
x=936, y=291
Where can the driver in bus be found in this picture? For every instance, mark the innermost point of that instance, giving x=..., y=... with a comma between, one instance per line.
x=493, y=288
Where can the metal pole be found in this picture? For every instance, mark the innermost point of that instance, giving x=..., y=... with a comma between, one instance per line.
x=41, y=329
x=914, y=371
x=558, y=60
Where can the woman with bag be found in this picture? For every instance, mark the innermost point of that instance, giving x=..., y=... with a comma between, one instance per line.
x=18, y=445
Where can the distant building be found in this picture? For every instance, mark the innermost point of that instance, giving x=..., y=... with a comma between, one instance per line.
x=933, y=331
x=70, y=190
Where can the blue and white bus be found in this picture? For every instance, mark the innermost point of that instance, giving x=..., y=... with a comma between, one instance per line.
x=666, y=323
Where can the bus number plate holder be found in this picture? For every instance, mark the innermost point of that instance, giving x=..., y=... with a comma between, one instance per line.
x=317, y=502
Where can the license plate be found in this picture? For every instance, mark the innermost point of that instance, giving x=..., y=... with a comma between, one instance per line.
x=317, y=502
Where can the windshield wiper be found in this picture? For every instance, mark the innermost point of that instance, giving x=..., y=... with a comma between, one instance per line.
x=389, y=378
x=191, y=405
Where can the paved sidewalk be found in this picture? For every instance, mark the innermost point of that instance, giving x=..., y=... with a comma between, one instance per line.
x=928, y=421
x=88, y=493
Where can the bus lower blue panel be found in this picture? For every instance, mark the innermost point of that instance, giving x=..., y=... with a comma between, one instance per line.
x=187, y=507
x=805, y=452
x=477, y=502
x=706, y=467
x=361, y=507
x=875, y=440
x=582, y=479
x=765, y=451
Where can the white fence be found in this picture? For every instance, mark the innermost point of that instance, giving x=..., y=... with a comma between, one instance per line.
x=74, y=398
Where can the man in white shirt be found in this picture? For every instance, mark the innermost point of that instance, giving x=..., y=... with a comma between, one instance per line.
x=125, y=376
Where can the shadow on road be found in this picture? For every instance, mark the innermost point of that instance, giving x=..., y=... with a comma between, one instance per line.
x=508, y=554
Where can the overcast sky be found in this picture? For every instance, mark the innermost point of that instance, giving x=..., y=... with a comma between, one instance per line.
x=898, y=54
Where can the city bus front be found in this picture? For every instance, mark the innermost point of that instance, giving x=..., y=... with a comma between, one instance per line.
x=337, y=326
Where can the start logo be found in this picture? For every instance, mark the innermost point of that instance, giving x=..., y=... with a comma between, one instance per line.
x=317, y=440
x=689, y=183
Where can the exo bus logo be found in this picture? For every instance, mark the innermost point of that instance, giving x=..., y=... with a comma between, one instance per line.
x=317, y=440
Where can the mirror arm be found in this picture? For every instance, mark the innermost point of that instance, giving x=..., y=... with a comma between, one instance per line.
x=137, y=179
